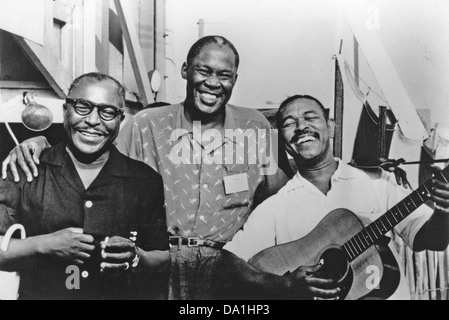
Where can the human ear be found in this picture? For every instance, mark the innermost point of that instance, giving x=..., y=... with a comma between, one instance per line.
x=184, y=70
x=331, y=127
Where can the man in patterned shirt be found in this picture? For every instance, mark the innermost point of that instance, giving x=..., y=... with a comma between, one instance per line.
x=214, y=159
x=210, y=177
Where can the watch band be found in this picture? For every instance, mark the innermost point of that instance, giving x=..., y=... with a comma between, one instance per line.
x=136, y=260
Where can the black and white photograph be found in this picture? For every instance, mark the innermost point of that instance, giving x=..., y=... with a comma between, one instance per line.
x=226, y=155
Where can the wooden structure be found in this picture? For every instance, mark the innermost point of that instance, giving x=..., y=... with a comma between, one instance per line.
x=123, y=38
x=427, y=272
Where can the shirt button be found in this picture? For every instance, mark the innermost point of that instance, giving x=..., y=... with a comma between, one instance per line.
x=205, y=186
x=89, y=204
x=85, y=274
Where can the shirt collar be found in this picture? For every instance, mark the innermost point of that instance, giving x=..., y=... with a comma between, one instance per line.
x=56, y=156
x=344, y=172
x=115, y=166
x=347, y=172
x=186, y=127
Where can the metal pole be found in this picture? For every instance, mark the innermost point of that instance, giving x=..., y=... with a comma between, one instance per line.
x=356, y=62
x=383, y=133
x=201, y=28
x=339, y=108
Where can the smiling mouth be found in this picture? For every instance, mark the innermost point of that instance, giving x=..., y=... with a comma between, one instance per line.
x=209, y=98
x=91, y=135
x=307, y=138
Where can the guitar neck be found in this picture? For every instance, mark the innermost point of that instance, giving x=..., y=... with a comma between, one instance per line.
x=379, y=228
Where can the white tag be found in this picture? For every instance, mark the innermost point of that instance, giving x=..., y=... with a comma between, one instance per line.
x=236, y=183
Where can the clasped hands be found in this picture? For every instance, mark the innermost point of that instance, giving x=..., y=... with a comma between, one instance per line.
x=72, y=245
x=118, y=254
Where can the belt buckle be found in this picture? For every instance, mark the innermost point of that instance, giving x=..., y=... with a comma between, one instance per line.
x=192, y=243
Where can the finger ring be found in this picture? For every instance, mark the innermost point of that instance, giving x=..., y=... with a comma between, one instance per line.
x=127, y=266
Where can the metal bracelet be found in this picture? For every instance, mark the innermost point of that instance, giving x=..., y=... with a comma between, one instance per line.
x=136, y=260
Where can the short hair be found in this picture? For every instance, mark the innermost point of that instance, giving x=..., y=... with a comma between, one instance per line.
x=99, y=77
x=297, y=97
x=218, y=40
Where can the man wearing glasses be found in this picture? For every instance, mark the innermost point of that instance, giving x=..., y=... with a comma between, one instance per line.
x=90, y=208
x=208, y=198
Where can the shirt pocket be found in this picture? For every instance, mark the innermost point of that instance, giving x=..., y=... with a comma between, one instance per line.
x=239, y=199
x=360, y=199
x=367, y=214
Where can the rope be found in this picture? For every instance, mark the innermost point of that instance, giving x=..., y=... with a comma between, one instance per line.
x=369, y=66
x=430, y=290
x=11, y=133
x=367, y=85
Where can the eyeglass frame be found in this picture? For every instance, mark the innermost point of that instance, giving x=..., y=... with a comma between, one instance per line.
x=92, y=105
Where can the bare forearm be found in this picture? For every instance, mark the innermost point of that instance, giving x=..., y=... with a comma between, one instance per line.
x=20, y=253
x=434, y=235
x=154, y=261
x=234, y=273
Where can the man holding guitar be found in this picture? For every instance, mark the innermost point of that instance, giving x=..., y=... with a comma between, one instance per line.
x=337, y=250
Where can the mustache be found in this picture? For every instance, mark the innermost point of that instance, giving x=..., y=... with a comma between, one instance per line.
x=301, y=133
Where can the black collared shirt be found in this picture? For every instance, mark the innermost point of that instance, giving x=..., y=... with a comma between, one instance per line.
x=126, y=196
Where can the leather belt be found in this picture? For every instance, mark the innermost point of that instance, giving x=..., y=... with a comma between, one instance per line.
x=195, y=242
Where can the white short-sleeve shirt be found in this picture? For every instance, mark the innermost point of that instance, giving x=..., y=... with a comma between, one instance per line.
x=299, y=207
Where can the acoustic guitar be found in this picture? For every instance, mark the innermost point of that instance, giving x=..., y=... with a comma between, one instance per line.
x=347, y=250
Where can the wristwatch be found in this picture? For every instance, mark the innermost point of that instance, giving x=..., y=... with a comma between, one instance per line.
x=136, y=260
x=133, y=238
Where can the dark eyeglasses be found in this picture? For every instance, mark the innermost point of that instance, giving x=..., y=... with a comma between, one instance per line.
x=85, y=107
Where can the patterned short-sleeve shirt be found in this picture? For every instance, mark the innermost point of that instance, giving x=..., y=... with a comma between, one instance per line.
x=195, y=165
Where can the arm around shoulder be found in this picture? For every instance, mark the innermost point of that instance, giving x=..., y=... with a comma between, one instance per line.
x=154, y=253
x=26, y=156
x=235, y=278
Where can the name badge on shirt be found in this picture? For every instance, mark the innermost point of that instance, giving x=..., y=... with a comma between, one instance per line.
x=236, y=183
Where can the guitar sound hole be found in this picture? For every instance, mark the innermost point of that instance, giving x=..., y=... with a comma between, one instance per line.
x=335, y=265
